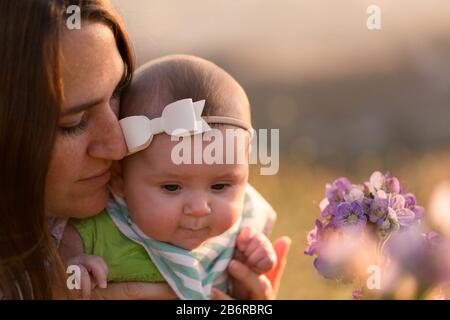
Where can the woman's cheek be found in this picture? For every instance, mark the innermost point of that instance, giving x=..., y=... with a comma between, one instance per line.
x=64, y=196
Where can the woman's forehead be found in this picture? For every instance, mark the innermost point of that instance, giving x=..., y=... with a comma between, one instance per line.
x=92, y=65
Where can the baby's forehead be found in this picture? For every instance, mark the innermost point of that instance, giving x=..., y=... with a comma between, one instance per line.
x=164, y=154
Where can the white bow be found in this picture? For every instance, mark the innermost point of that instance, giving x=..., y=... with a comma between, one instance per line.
x=180, y=118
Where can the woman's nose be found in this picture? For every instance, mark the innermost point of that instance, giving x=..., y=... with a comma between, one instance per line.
x=107, y=141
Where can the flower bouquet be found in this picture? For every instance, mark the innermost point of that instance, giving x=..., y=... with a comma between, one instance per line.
x=356, y=223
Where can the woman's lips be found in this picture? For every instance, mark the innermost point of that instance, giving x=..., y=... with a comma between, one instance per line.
x=101, y=178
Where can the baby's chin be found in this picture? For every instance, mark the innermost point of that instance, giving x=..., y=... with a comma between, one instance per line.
x=189, y=245
x=190, y=240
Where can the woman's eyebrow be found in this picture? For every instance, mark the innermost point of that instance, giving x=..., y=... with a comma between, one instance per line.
x=82, y=107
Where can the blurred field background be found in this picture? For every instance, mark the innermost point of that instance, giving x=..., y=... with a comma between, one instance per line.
x=347, y=100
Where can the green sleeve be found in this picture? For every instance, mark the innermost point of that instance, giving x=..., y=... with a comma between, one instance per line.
x=127, y=261
x=87, y=230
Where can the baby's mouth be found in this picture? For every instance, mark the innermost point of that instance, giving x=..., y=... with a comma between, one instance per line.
x=194, y=224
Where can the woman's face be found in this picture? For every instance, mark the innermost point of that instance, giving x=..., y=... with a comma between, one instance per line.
x=88, y=136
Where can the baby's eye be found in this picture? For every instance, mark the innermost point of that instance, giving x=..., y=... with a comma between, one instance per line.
x=171, y=187
x=220, y=186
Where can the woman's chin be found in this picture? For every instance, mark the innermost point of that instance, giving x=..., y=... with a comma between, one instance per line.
x=90, y=206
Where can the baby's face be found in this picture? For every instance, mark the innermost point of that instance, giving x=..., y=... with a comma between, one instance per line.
x=183, y=204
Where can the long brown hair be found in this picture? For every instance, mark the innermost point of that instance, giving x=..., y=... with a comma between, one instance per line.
x=30, y=99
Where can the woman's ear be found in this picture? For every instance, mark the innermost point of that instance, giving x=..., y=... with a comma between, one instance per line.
x=116, y=183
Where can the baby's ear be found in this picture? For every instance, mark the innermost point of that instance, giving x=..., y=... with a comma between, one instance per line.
x=116, y=179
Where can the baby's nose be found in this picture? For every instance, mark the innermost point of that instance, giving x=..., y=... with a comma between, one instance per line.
x=197, y=208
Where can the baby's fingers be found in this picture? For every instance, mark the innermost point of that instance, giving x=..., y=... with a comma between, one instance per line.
x=239, y=255
x=85, y=283
x=243, y=240
x=255, y=242
x=261, y=260
x=98, y=268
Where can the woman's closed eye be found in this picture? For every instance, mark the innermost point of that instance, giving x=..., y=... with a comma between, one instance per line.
x=76, y=128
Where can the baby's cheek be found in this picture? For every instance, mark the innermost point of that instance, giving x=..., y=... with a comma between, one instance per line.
x=155, y=224
x=227, y=216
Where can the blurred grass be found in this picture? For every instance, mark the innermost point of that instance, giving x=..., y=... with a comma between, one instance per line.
x=297, y=189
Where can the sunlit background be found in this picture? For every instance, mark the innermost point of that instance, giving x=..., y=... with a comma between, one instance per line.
x=347, y=100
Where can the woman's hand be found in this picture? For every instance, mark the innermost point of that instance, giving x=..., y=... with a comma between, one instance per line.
x=259, y=287
x=134, y=291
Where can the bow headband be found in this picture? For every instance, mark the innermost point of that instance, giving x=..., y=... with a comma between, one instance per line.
x=180, y=118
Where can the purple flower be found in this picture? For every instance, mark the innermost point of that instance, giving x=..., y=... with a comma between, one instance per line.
x=410, y=203
x=378, y=205
x=392, y=185
x=384, y=182
x=313, y=238
x=326, y=208
x=426, y=256
x=389, y=224
x=329, y=269
x=336, y=191
x=378, y=210
x=376, y=181
x=336, y=254
x=354, y=194
x=350, y=216
x=405, y=216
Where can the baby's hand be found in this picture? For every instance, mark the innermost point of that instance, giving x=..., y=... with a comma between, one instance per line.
x=94, y=272
x=255, y=250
